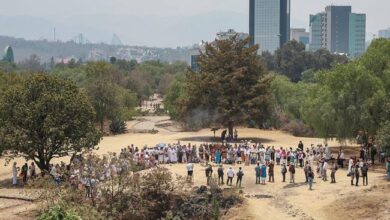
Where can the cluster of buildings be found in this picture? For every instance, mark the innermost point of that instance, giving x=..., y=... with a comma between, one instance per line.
x=336, y=29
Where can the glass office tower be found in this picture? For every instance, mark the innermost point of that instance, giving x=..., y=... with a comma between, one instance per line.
x=269, y=23
x=357, y=34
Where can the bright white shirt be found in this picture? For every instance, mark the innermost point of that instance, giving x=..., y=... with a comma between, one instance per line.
x=190, y=167
x=325, y=167
x=230, y=173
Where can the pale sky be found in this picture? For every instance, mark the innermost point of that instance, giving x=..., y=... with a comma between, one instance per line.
x=95, y=16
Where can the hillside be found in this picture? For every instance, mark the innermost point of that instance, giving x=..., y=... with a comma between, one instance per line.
x=64, y=50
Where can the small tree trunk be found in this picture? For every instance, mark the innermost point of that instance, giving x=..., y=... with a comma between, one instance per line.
x=231, y=128
x=102, y=126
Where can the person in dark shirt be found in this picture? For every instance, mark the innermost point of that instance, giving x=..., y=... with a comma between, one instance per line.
x=240, y=174
x=271, y=172
x=357, y=174
x=300, y=145
x=209, y=173
x=220, y=175
x=365, y=174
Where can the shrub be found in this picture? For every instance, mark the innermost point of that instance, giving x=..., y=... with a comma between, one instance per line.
x=59, y=211
x=118, y=126
x=298, y=128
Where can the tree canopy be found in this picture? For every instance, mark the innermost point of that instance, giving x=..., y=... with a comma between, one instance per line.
x=45, y=117
x=292, y=60
x=352, y=97
x=231, y=85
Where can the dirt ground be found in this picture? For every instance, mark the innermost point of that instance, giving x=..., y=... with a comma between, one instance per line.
x=272, y=201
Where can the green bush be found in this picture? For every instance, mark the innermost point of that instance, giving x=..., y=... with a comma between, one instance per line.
x=59, y=212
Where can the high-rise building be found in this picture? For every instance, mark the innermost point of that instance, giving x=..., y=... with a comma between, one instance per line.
x=384, y=33
x=338, y=30
x=269, y=23
x=317, y=31
x=357, y=34
x=337, y=26
x=299, y=35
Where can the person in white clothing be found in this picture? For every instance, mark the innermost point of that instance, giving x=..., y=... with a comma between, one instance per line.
x=324, y=169
x=230, y=176
x=190, y=171
x=14, y=175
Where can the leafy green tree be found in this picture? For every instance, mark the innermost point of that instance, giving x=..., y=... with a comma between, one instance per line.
x=231, y=86
x=288, y=96
x=175, y=96
x=32, y=64
x=125, y=65
x=347, y=99
x=110, y=100
x=291, y=60
x=352, y=97
x=44, y=118
x=383, y=135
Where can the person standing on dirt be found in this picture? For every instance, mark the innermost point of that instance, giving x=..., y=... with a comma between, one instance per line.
x=271, y=171
x=220, y=175
x=333, y=170
x=300, y=145
x=291, y=169
x=258, y=173
x=24, y=172
x=240, y=174
x=230, y=176
x=284, y=171
x=306, y=170
x=263, y=173
x=324, y=170
x=14, y=175
x=190, y=171
x=351, y=173
x=32, y=170
x=310, y=177
x=357, y=174
x=218, y=156
x=209, y=173
x=364, y=170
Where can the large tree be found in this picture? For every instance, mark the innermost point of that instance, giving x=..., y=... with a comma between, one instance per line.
x=44, y=118
x=231, y=86
x=109, y=98
x=352, y=97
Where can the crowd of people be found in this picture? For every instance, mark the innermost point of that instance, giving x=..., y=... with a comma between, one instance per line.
x=315, y=159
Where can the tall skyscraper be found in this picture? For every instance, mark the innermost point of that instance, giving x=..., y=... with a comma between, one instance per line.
x=337, y=26
x=317, y=31
x=269, y=23
x=357, y=34
x=338, y=30
x=384, y=33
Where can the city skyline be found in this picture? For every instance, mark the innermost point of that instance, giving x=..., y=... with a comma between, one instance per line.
x=175, y=22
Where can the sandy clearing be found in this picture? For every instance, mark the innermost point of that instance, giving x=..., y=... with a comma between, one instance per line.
x=286, y=202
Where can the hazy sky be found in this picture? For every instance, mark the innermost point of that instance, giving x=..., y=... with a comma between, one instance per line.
x=78, y=12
